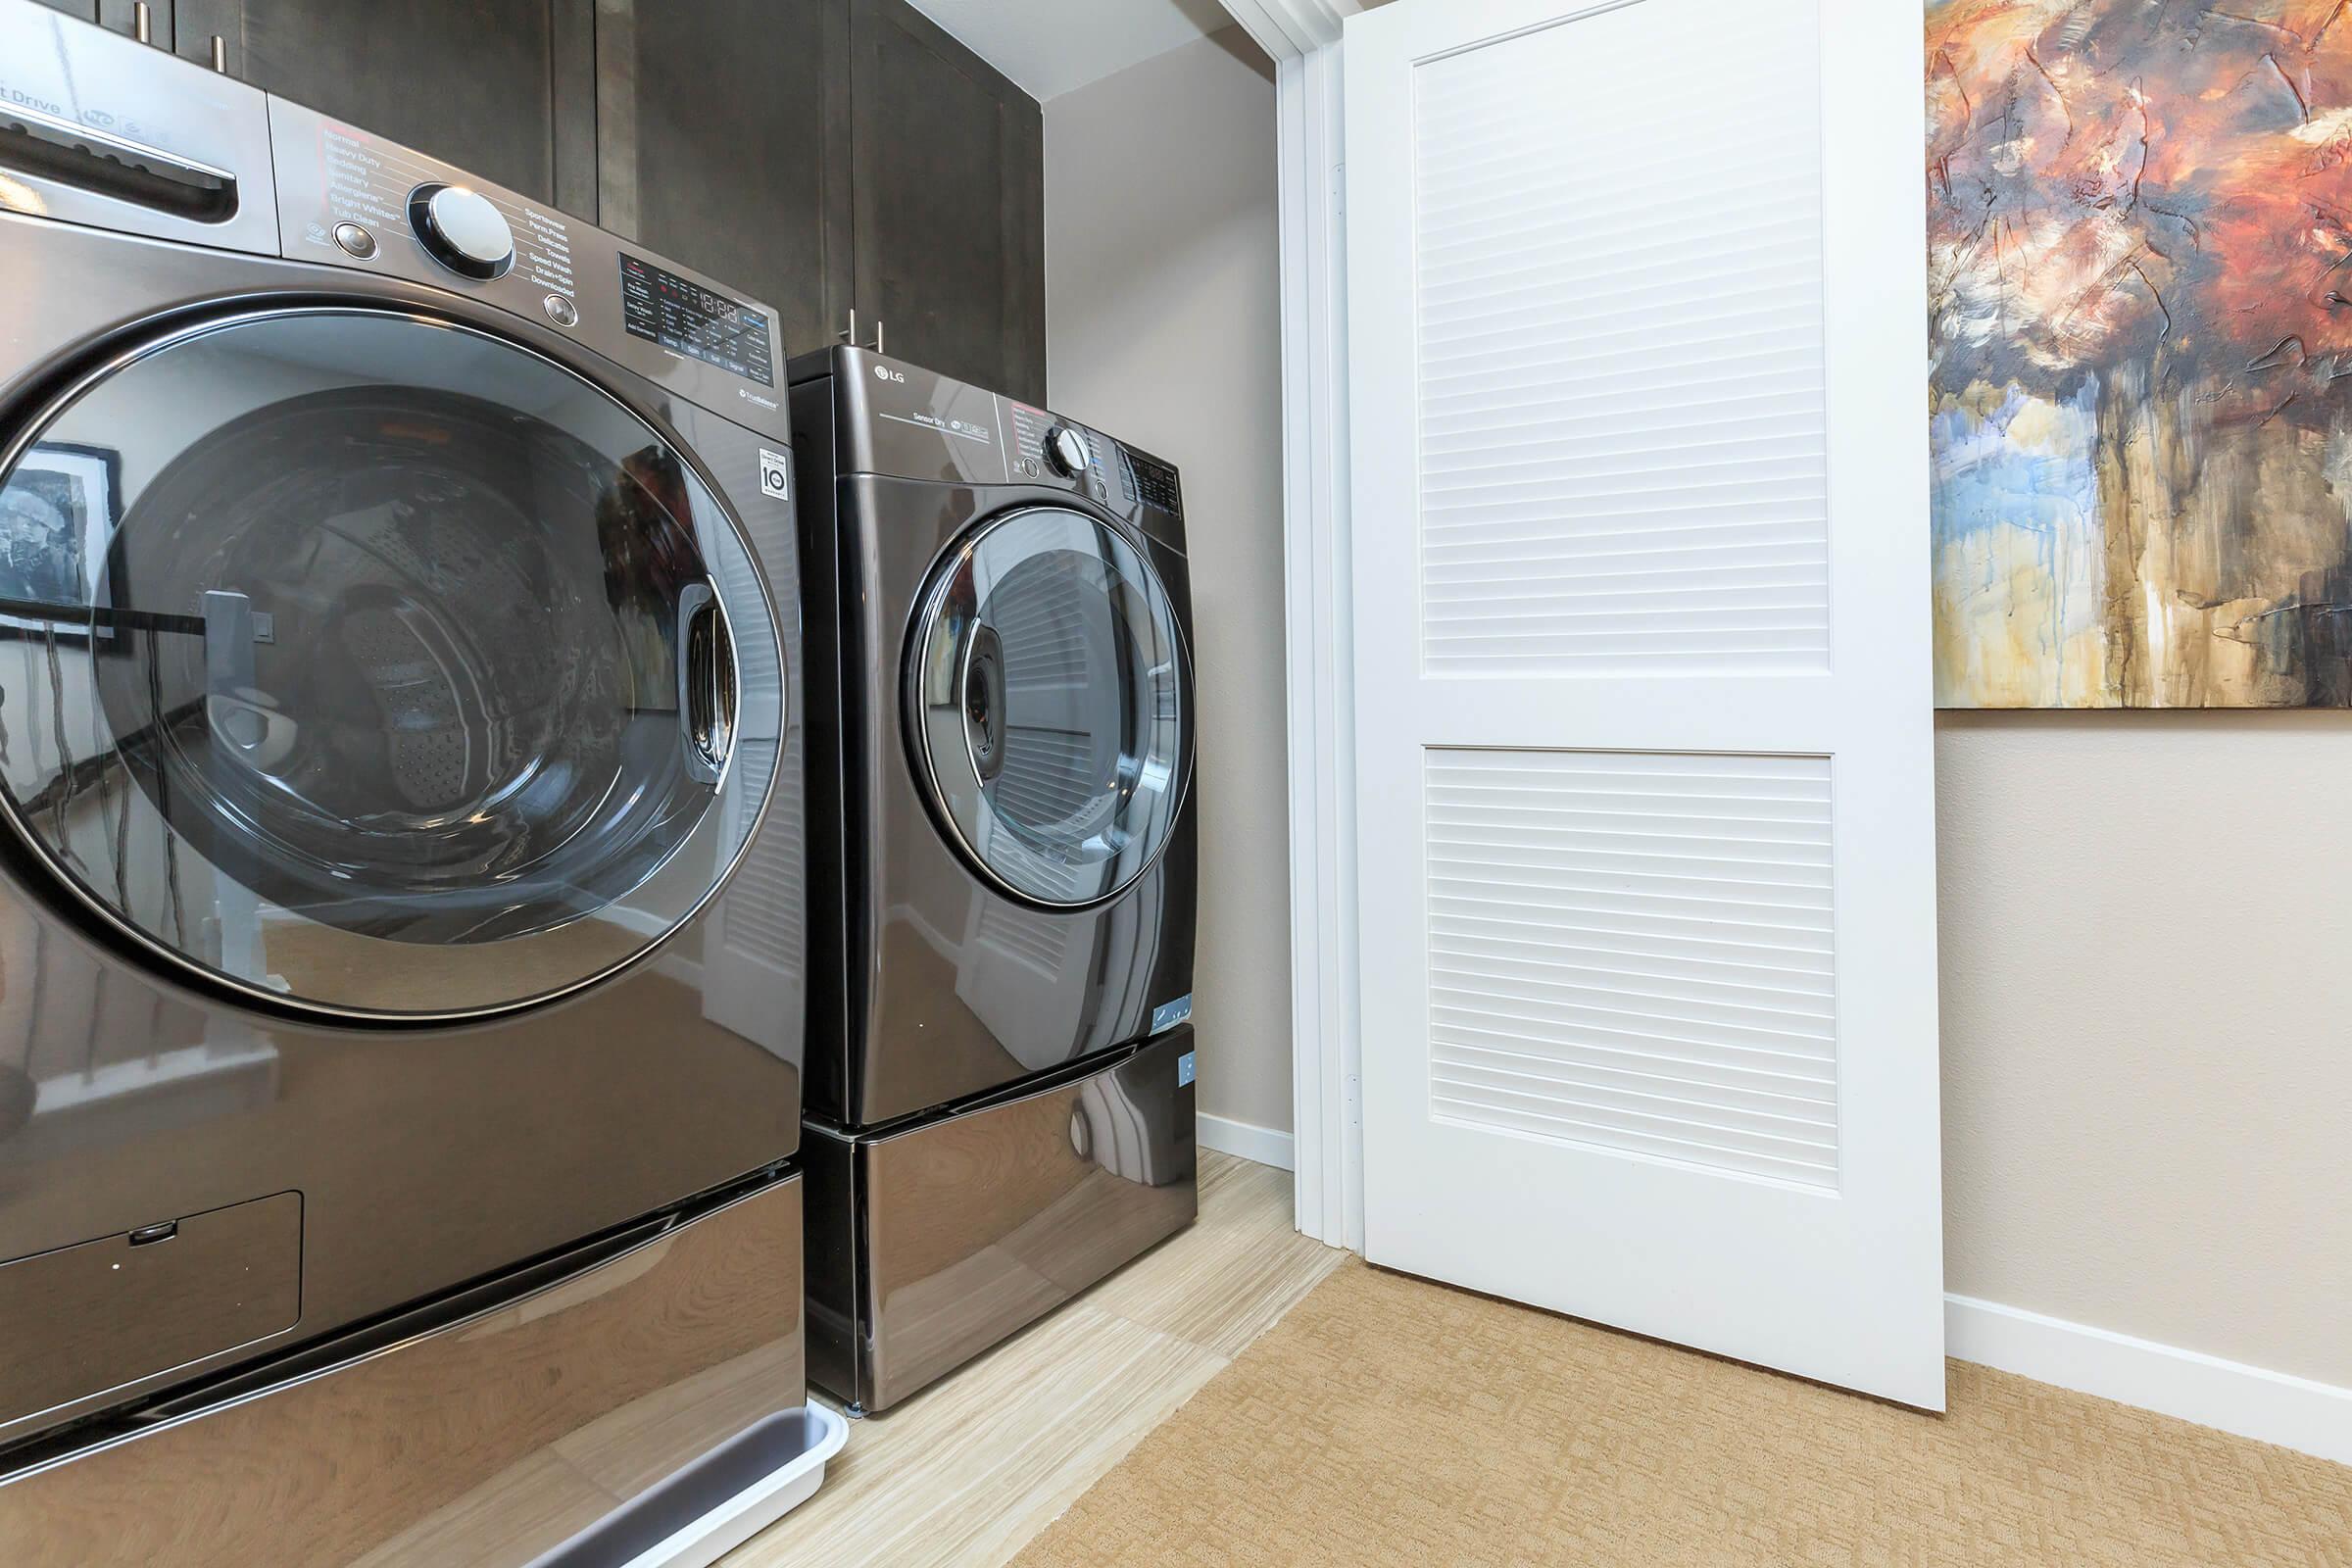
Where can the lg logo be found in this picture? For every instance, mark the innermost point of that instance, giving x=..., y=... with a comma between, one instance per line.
x=883, y=372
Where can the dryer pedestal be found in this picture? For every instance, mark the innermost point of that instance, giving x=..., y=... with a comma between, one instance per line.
x=933, y=1239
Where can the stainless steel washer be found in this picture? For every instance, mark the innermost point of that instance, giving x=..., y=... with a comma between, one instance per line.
x=400, y=791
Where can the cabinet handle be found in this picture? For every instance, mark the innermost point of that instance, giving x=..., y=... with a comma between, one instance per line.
x=221, y=54
x=850, y=336
x=142, y=23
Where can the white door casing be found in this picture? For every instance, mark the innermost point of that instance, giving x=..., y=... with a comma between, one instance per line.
x=1636, y=299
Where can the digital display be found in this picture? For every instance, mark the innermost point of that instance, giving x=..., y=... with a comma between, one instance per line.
x=688, y=319
x=1156, y=484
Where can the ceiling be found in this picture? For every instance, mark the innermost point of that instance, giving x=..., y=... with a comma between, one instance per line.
x=1048, y=47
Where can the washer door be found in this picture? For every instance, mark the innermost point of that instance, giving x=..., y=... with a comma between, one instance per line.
x=1047, y=706
x=375, y=665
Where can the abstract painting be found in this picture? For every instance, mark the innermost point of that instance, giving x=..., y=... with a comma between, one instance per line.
x=2140, y=218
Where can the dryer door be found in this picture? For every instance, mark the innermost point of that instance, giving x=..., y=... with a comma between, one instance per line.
x=1046, y=700
x=373, y=666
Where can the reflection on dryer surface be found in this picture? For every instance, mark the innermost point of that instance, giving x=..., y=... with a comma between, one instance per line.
x=981, y=1221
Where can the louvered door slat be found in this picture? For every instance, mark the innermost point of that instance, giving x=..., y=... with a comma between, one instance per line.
x=1545, y=269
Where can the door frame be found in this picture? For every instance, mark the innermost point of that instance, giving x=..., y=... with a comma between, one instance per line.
x=1304, y=39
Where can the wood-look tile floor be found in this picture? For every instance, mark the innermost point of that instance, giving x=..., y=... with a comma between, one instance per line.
x=968, y=1471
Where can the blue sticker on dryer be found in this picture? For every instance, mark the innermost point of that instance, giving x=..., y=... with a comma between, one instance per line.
x=1184, y=1069
x=1168, y=1014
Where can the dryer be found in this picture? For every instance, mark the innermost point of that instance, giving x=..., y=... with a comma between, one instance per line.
x=1003, y=868
x=399, y=843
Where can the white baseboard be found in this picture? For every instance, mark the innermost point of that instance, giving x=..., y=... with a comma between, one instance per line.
x=2268, y=1406
x=1248, y=1141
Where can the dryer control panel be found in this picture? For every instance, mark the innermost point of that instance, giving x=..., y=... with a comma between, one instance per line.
x=903, y=421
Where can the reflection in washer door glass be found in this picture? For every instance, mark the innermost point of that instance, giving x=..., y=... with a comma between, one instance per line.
x=394, y=655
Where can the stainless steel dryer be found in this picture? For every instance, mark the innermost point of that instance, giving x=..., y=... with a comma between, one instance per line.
x=1003, y=864
x=399, y=790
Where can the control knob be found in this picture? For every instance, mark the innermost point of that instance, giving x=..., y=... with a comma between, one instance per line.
x=462, y=229
x=1065, y=451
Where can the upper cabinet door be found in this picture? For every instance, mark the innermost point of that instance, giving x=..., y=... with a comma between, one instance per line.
x=723, y=140
x=507, y=93
x=947, y=164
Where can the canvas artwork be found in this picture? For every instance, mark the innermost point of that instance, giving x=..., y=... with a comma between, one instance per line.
x=2140, y=275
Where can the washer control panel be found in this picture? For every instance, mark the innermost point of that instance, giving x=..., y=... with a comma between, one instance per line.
x=682, y=315
x=351, y=199
x=388, y=192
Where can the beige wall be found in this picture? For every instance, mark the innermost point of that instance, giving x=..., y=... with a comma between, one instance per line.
x=2146, y=945
x=1164, y=328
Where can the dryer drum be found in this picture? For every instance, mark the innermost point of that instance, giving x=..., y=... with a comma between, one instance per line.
x=984, y=701
x=1046, y=706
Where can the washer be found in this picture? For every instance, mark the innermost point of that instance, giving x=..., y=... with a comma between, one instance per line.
x=1003, y=868
x=399, y=795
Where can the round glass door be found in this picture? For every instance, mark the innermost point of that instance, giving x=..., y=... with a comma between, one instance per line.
x=1047, y=703
x=372, y=665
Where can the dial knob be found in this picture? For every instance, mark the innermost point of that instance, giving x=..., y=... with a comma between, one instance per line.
x=462, y=229
x=1065, y=451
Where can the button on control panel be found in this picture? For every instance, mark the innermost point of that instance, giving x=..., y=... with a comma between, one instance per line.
x=356, y=240
x=1045, y=445
x=462, y=229
x=1066, y=451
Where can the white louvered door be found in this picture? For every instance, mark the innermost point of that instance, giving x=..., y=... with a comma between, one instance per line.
x=1636, y=299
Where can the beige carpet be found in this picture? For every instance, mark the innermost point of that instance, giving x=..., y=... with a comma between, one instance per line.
x=1388, y=1420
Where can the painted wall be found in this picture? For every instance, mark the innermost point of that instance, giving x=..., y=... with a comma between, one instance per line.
x=2146, y=945
x=1163, y=327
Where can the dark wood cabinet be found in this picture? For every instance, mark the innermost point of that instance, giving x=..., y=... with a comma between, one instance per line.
x=723, y=140
x=948, y=180
x=825, y=155
x=819, y=155
x=505, y=88
x=121, y=16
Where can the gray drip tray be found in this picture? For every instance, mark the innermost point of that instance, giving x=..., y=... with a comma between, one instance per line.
x=716, y=1504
